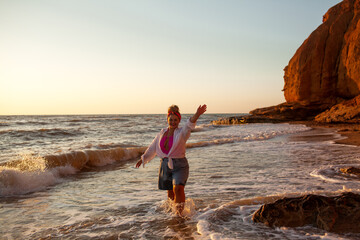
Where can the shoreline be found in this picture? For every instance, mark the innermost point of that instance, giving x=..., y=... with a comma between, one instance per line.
x=348, y=130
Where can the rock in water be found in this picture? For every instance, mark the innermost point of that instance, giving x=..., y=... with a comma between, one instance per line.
x=340, y=214
x=351, y=170
x=327, y=64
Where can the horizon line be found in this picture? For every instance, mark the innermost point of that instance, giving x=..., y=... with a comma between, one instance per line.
x=88, y=114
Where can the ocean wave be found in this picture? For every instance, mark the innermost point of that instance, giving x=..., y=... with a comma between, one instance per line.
x=34, y=173
x=93, y=158
x=232, y=138
x=16, y=182
x=96, y=119
x=29, y=174
x=106, y=154
x=42, y=132
x=15, y=175
x=221, y=134
x=110, y=146
x=4, y=124
x=202, y=127
x=21, y=123
x=49, y=169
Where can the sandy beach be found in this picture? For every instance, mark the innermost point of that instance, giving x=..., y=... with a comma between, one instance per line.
x=348, y=130
x=351, y=132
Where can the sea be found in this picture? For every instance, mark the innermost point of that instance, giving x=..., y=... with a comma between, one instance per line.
x=74, y=177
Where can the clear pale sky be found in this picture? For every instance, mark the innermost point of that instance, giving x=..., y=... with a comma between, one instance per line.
x=140, y=56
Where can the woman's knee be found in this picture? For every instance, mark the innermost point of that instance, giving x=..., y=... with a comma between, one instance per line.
x=178, y=189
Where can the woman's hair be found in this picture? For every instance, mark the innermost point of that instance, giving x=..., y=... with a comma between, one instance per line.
x=173, y=109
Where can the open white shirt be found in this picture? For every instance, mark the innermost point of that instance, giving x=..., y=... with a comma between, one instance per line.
x=181, y=135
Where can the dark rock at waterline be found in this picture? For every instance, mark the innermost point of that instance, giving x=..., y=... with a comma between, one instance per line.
x=245, y=119
x=340, y=214
x=291, y=111
x=281, y=113
x=351, y=170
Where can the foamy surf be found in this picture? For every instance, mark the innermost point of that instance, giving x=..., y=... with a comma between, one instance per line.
x=33, y=173
x=94, y=158
x=170, y=207
x=245, y=133
x=16, y=181
x=333, y=173
x=16, y=175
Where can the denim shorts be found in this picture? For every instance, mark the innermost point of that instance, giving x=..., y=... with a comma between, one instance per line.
x=177, y=176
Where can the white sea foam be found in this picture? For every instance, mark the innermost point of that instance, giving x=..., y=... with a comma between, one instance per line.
x=15, y=182
x=241, y=133
x=332, y=173
x=189, y=209
x=29, y=175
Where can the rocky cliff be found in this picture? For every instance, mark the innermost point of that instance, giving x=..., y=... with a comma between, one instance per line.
x=325, y=71
x=327, y=64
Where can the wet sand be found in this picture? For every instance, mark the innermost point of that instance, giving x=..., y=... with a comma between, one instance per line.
x=353, y=136
x=348, y=130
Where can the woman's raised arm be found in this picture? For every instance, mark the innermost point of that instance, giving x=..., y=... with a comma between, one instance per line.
x=200, y=111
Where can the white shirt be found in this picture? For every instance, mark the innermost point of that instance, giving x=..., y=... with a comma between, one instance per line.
x=181, y=135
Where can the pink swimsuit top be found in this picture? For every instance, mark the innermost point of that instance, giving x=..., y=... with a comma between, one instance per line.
x=162, y=144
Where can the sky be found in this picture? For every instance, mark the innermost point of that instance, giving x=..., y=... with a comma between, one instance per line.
x=141, y=56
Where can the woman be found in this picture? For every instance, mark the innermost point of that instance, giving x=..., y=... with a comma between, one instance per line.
x=170, y=145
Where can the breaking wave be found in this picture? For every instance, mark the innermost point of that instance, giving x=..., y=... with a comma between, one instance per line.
x=39, y=133
x=35, y=173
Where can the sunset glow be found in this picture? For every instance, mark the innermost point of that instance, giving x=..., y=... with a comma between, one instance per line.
x=119, y=57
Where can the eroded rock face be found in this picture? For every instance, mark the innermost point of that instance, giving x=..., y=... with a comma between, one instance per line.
x=327, y=64
x=338, y=214
x=346, y=111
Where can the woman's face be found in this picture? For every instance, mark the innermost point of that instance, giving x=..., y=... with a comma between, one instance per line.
x=173, y=121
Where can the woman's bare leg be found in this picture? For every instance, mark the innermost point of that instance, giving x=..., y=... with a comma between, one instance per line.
x=171, y=194
x=179, y=197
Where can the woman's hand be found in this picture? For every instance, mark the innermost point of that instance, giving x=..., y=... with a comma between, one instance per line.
x=138, y=164
x=200, y=111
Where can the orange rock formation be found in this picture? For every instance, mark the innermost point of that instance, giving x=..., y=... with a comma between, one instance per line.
x=325, y=71
x=327, y=64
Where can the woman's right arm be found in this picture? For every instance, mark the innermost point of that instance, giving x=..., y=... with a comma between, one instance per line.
x=200, y=111
x=149, y=154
